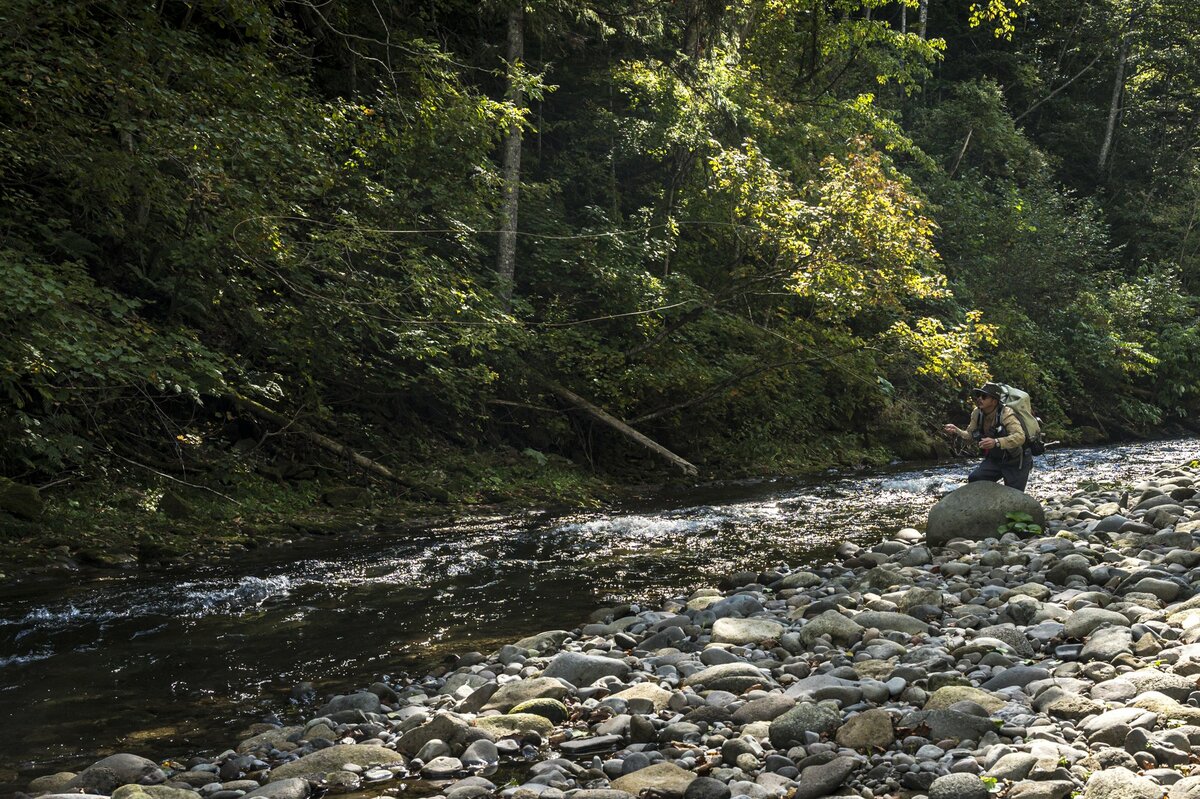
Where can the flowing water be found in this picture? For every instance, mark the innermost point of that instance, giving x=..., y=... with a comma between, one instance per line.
x=173, y=664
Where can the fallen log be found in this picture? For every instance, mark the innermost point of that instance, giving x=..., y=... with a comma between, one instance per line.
x=615, y=423
x=323, y=441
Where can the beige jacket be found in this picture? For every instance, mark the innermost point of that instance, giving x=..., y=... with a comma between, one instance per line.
x=1013, y=439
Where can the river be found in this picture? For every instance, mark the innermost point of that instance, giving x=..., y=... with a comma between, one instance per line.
x=169, y=664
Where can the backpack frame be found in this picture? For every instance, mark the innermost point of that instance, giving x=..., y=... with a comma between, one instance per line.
x=1022, y=407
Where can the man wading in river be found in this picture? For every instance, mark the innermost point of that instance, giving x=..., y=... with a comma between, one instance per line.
x=1000, y=436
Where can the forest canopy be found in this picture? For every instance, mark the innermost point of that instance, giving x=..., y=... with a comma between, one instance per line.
x=763, y=232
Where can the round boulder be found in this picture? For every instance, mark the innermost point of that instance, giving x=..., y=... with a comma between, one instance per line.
x=746, y=631
x=105, y=776
x=976, y=511
x=958, y=786
x=315, y=765
x=871, y=729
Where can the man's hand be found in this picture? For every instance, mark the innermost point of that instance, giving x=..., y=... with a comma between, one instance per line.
x=988, y=443
x=950, y=428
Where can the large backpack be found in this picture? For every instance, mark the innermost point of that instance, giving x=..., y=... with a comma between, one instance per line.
x=1019, y=402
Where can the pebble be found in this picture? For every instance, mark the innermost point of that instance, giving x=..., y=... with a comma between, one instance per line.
x=1062, y=663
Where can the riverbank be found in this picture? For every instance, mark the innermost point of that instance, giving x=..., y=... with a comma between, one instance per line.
x=122, y=517
x=1039, y=665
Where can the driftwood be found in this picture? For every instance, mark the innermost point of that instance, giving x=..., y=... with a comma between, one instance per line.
x=615, y=423
x=323, y=441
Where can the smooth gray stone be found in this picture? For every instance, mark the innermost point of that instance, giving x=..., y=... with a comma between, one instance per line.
x=365, y=701
x=1103, y=728
x=1010, y=635
x=1166, y=590
x=1042, y=789
x=1153, y=502
x=475, y=701
x=1115, y=690
x=958, y=786
x=482, y=752
x=1082, y=622
x=839, y=628
x=545, y=641
x=294, y=788
x=1069, y=566
x=598, y=743
x=1106, y=644
x=1014, y=766
x=702, y=788
x=716, y=656
x=976, y=510
x=790, y=728
x=819, y=686
x=887, y=621
x=737, y=605
x=1018, y=676
x=817, y=781
x=106, y=775
x=1173, y=685
x=735, y=677
x=1120, y=783
x=768, y=708
x=1186, y=788
x=1110, y=524
x=441, y=768
x=580, y=670
x=956, y=726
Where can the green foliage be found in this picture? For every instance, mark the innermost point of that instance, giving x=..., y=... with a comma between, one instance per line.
x=1019, y=523
x=773, y=233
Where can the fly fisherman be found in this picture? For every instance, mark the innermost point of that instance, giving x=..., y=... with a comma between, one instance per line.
x=1001, y=438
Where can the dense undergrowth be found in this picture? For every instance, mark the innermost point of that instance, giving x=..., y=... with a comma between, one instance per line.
x=238, y=237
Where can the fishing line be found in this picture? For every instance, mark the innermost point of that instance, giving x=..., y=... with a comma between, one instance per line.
x=467, y=231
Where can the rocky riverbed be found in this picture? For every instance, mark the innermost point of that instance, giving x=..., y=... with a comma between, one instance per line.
x=1029, y=664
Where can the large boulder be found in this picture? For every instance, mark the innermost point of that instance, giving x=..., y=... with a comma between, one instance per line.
x=22, y=501
x=582, y=670
x=316, y=765
x=662, y=778
x=105, y=776
x=976, y=511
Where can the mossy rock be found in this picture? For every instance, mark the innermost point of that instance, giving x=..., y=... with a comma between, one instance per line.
x=551, y=709
x=175, y=506
x=347, y=497
x=944, y=697
x=107, y=560
x=12, y=527
x=151, y=551
x=22, y=501
x=514, y=724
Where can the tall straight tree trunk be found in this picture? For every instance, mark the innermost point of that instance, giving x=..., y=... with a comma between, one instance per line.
x=923, y=18
x=1114, y=106
x=506, y=256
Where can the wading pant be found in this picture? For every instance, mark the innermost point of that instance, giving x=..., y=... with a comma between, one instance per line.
x=1015, y=472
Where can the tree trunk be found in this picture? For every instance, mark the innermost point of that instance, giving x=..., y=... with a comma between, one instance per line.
x=506, y=257
x=903, y=18
x=962, y=152
x=1114, y=107
x=922, y=18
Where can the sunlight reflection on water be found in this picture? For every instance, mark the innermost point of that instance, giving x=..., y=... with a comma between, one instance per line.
x=219, y=648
